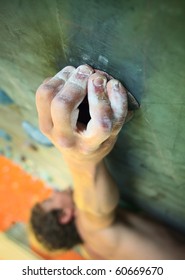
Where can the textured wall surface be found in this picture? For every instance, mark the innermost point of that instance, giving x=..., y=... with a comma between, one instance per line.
x=142, y=43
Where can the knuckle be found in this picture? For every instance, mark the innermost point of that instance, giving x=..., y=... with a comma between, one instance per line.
x=62, y=101
x=44, y=92
x=65, y=73
x=105, y=125
x=45, y=128
x=47, y=87
x=65, y=142
x=106, y=119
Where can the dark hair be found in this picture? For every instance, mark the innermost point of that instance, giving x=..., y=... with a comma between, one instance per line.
x=49, y=232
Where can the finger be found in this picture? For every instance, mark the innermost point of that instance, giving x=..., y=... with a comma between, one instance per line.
x=47, y=80
x=109, y=77
x=119, y=103
x=129, y=116
x=133, y=104
x=100, y=125
x=44, y=95
x=65, y=73
x=64, y=107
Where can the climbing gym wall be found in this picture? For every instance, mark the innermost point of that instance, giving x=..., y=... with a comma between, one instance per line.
x=142, y=43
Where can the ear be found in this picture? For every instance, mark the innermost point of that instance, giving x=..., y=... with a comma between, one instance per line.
x=66, y=216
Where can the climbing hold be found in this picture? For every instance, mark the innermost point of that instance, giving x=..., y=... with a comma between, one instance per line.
x=5, y=135
x=4, y=98
x=36, y=134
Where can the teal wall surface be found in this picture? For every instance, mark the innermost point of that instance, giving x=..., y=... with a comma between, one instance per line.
x=142, y=43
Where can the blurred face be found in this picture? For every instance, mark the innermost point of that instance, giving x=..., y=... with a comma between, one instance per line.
x=59, y=200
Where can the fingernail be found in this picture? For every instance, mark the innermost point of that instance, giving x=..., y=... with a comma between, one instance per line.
x=84, y=71
x=116, y=85
x=98, y=82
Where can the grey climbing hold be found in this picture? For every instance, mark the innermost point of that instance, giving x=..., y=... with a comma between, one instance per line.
x=36, y=134
x=4, y=98
x=5, y=135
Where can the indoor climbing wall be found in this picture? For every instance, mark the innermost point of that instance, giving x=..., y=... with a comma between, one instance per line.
x=142, y=43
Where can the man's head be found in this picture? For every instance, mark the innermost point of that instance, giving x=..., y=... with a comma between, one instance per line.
x=53, y=221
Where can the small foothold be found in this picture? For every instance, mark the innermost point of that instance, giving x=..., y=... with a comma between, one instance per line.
x=23, y=158
x=5, y=135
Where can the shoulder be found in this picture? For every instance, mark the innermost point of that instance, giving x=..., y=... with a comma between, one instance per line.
x=92, y=223
x=99, y=234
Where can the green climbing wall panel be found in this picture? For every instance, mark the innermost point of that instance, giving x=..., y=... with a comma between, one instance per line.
x=142, y=43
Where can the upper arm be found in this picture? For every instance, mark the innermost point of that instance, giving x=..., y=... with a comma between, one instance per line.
x=103, y=236
x=133, y=237
x=125, y=241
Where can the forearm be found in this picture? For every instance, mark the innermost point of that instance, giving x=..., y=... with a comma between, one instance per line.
x=58, y=101
x=95, y=191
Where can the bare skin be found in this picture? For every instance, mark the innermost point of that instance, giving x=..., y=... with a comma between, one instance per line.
x=106, y=233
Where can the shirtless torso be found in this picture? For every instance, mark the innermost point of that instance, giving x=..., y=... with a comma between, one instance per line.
x=83, y=146
x=132, y=236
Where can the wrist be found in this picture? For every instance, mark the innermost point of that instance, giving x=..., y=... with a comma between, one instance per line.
x=82, y=164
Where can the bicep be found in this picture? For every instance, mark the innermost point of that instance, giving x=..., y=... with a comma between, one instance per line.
x=124, y=242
